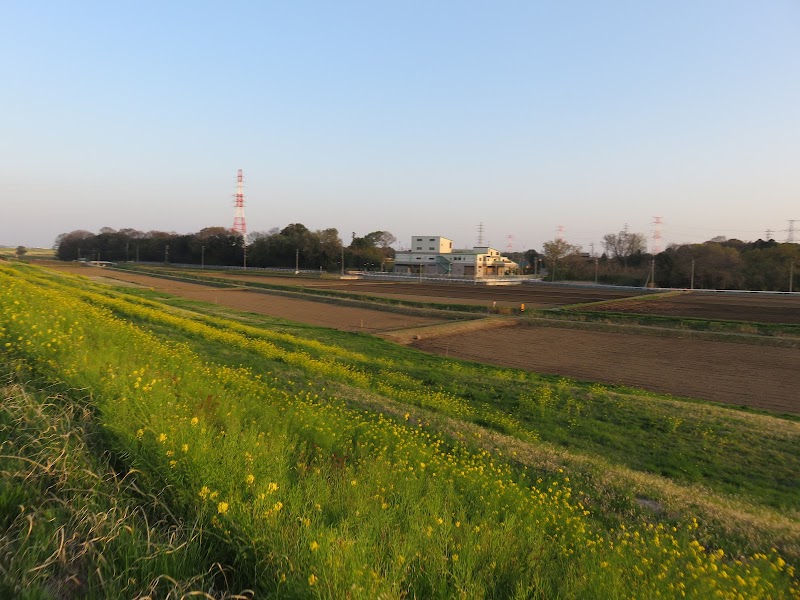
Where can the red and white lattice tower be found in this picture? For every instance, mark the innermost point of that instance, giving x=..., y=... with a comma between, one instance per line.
x=559, y=232
x=239, y=225
x=657, y=223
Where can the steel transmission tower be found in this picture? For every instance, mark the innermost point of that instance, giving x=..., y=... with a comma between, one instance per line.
x=239, y=225
x=657, y=223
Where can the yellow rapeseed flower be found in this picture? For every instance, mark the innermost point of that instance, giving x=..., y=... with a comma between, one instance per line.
x=312, y=579
x=314, y=546
x=222, y=508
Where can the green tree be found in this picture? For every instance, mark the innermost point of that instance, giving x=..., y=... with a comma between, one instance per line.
x=558, y=251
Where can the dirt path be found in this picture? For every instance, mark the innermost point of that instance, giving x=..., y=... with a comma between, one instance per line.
x=758, y=376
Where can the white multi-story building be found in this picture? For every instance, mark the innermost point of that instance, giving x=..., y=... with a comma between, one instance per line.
x=434, y=255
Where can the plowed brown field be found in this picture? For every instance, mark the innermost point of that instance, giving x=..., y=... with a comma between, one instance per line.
x=303, y=311
x=758, y=376
x=533, y=295
x=759, y=308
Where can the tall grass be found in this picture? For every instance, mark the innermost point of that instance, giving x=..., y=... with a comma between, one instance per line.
x=308, y=496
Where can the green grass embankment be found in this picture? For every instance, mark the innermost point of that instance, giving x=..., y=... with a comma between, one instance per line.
x=264, y=438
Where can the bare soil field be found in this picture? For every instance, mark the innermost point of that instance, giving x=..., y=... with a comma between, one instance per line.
x=757, y=376
x=342, y=318
x=533, y=295
x=759, y=308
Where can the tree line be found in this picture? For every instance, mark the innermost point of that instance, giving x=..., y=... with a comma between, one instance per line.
x=293, y=246
x=720, y=263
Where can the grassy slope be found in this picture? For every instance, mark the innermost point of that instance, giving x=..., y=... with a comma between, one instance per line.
x=632, y=431
x=70, y=525
x=750, y=458
x=692, y=442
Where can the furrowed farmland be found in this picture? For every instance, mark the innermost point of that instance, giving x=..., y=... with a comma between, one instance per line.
x=151, y=447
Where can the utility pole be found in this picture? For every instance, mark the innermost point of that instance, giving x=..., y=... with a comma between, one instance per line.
x=791, y=275
x=652, y=273
x=244, y=248
x=692, y=277
x=137, y=253
x=296, y=261
x=127, y=254
x=595, y=270
x=342, y=260
x=202, y=257
x=166, y=253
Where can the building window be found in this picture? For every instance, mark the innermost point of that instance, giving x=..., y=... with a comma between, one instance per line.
x=419, y=247
x=431, y=248
x=431, y=239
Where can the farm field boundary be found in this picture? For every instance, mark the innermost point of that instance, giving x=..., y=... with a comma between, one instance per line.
x=407, y=307
x=763, y=309
x=340, y=315
x=759, y=377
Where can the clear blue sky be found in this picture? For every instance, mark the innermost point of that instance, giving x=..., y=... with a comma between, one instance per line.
x=412, y=117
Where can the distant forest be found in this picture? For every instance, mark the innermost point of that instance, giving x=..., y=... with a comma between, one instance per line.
x=722, y=264
x=719, y=263
x=294, y=245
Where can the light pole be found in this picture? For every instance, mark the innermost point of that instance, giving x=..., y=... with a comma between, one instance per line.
x=166, y=253
x=202, y=257
x=296, y=261
x=691, y=282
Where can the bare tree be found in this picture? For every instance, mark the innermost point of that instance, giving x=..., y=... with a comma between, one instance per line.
x=624, y=244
